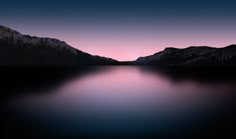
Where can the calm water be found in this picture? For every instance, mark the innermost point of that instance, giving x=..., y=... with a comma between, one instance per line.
x=122, y=101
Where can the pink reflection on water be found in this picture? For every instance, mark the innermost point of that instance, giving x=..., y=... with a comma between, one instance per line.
x=131, y=87
x=127, y=88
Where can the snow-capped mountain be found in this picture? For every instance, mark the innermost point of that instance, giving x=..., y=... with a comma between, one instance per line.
x=24, y=50
x=192, y=56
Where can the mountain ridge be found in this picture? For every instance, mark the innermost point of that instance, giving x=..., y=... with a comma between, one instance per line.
x=195, y=56
x=17, y=49
x=24, y=50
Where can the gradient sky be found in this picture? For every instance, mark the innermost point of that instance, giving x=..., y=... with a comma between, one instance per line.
x=125, y=29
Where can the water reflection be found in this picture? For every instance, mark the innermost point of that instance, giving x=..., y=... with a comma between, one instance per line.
x=124, y=100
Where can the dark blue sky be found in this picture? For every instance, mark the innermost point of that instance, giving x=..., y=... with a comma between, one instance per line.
x=119, y=8
x=125, y=29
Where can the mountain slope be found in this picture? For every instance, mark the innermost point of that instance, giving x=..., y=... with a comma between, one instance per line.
x=23, y=50
x=192, y=57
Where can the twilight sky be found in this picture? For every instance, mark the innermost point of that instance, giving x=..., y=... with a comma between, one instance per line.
x=125, y=29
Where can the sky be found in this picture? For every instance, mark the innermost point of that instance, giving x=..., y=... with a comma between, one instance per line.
x=125, y=29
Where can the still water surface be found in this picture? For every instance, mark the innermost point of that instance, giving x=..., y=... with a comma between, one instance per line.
x=123, y=100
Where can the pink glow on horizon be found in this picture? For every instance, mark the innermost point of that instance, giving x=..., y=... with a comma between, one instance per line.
x=128, y=50
x=128, y=45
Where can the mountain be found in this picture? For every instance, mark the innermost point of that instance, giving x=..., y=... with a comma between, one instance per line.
x=24, y=50
x=201, y=56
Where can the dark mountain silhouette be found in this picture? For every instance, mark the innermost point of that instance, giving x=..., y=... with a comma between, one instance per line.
x=23, y=50
x=27, y=51
x=202, y=56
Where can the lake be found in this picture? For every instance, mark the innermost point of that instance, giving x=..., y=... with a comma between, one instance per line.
x=122, y=101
